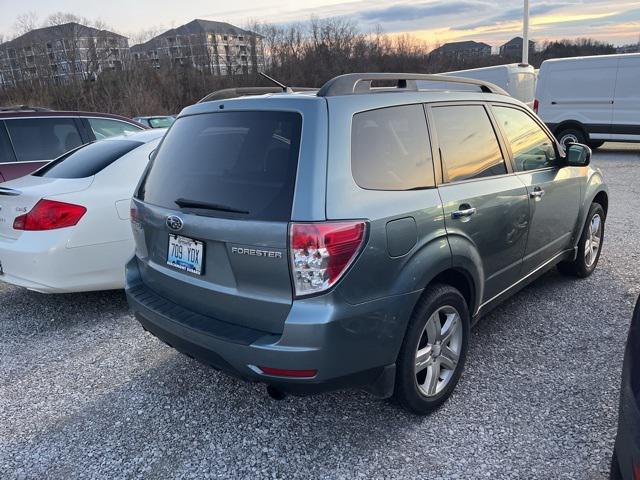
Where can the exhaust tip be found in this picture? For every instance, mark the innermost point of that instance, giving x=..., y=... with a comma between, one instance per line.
x=275, y=393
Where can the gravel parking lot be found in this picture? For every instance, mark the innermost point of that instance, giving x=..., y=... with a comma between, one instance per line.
x=84, y=392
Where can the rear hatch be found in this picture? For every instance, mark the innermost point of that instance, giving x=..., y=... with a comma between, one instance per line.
x=19, y=196
x=212, y=216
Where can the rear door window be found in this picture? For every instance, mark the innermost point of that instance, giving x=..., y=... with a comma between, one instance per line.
x=42, y=138
x=227, y=164
x=105, y=127
x=390, y=149
x=88, y=160
x=468, y=144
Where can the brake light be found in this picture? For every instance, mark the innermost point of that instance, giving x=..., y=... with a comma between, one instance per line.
x=49, y=215
x=322, y=252
x=535, y=105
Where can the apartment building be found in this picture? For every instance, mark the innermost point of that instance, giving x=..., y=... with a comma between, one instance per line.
x=218, y=47
x=466, y=49
x=513, y=48
x=61, y=53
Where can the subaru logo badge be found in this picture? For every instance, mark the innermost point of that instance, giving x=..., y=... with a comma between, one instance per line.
x=174, y=223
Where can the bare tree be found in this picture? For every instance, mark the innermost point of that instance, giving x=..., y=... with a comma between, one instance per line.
x=25, y=23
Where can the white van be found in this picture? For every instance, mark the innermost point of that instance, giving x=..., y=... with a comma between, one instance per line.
x=517, y=80
x=591, y=99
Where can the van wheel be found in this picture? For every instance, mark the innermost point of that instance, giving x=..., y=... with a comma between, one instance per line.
x=589, y=245
x=571, y=135
x=434, y=350
x=594, y=144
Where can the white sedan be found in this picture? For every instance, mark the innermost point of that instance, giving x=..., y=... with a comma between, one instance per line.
x=66, y=227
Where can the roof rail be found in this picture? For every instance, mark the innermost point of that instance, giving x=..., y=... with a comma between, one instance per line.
x=247, y=91
x=353, y=83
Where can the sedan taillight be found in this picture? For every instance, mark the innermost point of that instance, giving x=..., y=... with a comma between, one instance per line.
x=322, y=252
x=49, y=215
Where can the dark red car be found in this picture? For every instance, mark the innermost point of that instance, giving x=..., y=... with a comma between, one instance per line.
x=30, y=137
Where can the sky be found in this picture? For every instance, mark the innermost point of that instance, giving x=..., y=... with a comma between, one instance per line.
x=433, y=21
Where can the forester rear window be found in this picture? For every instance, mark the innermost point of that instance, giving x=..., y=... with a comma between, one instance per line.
x=227, y=164
x=390, y=149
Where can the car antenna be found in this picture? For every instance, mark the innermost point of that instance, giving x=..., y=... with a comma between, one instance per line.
x=273, y=80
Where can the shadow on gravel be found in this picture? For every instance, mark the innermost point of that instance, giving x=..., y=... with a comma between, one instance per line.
x=181, y=412
x=24, y=311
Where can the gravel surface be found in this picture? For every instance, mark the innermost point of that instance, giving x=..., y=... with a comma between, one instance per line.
x=84, y=392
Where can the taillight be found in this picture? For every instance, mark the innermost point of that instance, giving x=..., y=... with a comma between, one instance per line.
x=49, y=215
x=535, y=105
x=322, y=252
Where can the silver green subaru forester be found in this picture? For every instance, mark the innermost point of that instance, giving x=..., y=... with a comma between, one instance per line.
x=350, y=236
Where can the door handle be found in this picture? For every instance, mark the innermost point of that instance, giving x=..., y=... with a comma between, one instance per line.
x=537, y=194
x=464, y=212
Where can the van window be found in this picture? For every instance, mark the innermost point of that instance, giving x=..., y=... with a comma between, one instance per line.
x=227, y=164
x=42, y=138
x=105, y=128
x=390, y=149
x=88, y=160
x=530, y=145
x=468, y=144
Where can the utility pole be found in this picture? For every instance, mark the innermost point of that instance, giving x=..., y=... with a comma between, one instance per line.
x=525, y=34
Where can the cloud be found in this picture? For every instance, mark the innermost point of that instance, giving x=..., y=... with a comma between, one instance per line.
x=512, y=14
x=411, y=12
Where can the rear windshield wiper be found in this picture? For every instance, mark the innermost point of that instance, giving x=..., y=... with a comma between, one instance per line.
x=186, y=203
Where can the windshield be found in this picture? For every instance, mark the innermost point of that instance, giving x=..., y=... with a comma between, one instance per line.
x=227, y=164
x=161, y=122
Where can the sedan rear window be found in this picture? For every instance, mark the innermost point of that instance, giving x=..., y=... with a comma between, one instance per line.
x=227, y=164
x=87, y=160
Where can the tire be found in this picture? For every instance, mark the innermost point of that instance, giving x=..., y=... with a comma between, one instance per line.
x=571, y=135
x=585, y=263
x=614, y=472
x=440, y=309
x=595, y=144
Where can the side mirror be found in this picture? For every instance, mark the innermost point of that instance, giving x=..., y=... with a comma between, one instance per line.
x=578, y=155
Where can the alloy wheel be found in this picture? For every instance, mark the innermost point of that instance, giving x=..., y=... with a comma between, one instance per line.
x=438, y=351
x=594, y=238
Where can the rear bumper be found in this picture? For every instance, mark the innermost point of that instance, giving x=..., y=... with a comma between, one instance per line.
x=348, y=345
x=41, y=261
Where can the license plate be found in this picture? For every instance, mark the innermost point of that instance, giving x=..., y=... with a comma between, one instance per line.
x=186, y=254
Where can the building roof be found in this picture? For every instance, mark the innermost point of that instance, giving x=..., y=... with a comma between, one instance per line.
x=516, y=42
x=65, y=30
x=459, y=46
x=195, y=27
